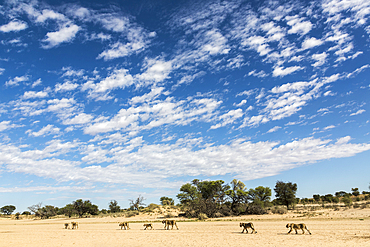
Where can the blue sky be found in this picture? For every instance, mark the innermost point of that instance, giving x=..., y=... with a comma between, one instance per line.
x=108, y=100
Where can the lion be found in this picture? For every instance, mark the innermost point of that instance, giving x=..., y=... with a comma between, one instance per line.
x=74, y=225
x=66, y=226
x=124, y=225
x=296, y=227
x=167, y=224
x=147, y=225
x=246, y=226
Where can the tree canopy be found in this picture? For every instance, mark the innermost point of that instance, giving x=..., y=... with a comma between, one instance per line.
x=285, y=193
x=8, y=210
x=166, y=201
x=114, y=207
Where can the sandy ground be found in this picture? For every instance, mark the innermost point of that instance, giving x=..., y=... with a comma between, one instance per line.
x=328, y=228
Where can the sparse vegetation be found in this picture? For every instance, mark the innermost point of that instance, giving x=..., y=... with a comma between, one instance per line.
x=210, y=199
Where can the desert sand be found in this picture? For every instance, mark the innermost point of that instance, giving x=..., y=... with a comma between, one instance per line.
x=349, y=227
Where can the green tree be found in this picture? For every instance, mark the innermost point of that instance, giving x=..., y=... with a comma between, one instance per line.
x=340, y=193
x=205, y=197
x=85, y=207
x=238, y=195
x=43, y=212
x=317, y=197
x=355, y=191
x=260, y=195
x=189, y=193
x=47, y=212
x=285, y=193
x=68, y=210
x=166, y=201
x=8, y=210
x=347, y=200
x=328, y=198
x=114, y=207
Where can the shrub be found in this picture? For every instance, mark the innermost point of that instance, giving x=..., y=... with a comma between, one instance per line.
x=152, y=206
x=279, y=210
x=131, y=213
x=169, y=215
x=255, y=209
x=347, y=201
x=219, y=215
x=202, y=216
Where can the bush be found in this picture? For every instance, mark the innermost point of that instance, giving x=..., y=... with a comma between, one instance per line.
x=169, y=215
x=255, y=209
x=202, y=216
x=219, y=215
x=279, y=210
x=152, y=206
x=347, y=201
x=131, y=213
x=356, y=205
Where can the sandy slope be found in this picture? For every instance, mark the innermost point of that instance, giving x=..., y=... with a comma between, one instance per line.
x=331, y=228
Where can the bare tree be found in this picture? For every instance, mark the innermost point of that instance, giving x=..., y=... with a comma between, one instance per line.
x=137, y=202
x=35, y=208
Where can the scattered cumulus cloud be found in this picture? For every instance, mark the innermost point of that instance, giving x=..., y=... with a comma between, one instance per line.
x=16, y=80
x=13, y=26
x=47, y=130
x=281, y=71
x=64, y=35
x=358, y=112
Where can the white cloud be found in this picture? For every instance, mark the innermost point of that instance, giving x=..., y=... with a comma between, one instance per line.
x=320, y=59
x=329, y=127
x=243, y=102
x=13, y=26
x=16, y=80
x=329, y=93
x=158, y=162
x=260, y=74
x=5, y=125
x=280, y=71
x=116, y=24
x=67, y=86
x=33, y=94
x=119, y=78
x=47, y=130
x=343, y=140
x=157, y=70
x=358, y=112
x=298, y=25
x=156, y=114
x=48, y=14
x=121, y=50
x=274, y=129
x=37, y=83
x=228, y=118
x=215, y=43
x=358, y=70
x=69, y=72
x=311, y=42
x=64, y=35
x=81, y=118
x=148, y=97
